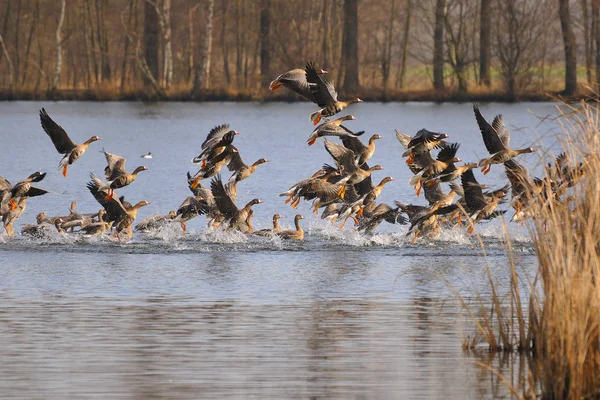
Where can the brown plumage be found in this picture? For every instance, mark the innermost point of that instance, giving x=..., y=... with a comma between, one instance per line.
x=191, y=207
x=241, y=171
x=324, y=95
x=8, y=192
x=295, y=234
x=218, y=140
x=423, y=142
x=332, y=128
x=444, y=163
x=295, y=80
x=348, y=167
x=116, y=174
x=269, y=232
x=236, y=217
x=121, y=216
x=63, y=143
x=496, y=139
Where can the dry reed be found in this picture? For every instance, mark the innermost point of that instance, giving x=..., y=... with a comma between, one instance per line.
x=556, y=320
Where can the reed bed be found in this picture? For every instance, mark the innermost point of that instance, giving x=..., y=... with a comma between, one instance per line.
x=553, y=317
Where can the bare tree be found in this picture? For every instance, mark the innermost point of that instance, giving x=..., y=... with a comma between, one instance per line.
x=350, y=47
x=164, y=20
x=10, y=65
x=456, y=18
x=265, y=45
x=485, y=43
x=386, y=59
x=438, y=45
x=570, y=47
x=402, y=72
x=150, y=42
x=58, y=67
x=203, y=73
x=518, y=42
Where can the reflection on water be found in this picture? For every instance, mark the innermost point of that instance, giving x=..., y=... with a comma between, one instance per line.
x=166, y=347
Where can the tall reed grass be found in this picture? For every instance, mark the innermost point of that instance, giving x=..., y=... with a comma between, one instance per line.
x=554, y=317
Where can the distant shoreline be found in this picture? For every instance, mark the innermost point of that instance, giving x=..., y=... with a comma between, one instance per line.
x=405, y=96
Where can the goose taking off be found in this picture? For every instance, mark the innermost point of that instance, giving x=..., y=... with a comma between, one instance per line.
x=63, y=143
x=496, y=139
x=295, y=80
x=324, y=95
x=116, y=174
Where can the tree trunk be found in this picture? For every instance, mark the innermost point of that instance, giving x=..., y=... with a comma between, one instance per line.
x=388, y=51
x=224, y=44
x=10, y=65
x=203, y=71
x=570, y=47
x=58, y=67
x=587, y=40
x=105, y=60
x=265, y=45
x=34, y=23
x=17, y=44
x=438, y=45
x=165, y=24
x=485, y=43
x=92, y=46
x=126, y=47
x=402, y=78
x=5, y=26
x=150, y=41
x=350, y=47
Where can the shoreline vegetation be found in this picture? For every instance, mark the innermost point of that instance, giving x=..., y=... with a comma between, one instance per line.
x=552, y=319
x=447, y=96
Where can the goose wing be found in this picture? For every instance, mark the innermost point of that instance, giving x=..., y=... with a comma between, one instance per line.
x=295, y=80
x=215, y=135
x=491, y=139
x=344, y=157
x=323, y=91
x=59, y=137
x=403, y=138
x=223, y=200
x=115, y=210
x=473, y=193
x=116, y=166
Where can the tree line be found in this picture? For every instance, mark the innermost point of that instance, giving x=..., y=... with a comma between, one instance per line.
x=197, y=49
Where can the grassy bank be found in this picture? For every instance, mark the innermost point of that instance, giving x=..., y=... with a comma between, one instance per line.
x=554, y=317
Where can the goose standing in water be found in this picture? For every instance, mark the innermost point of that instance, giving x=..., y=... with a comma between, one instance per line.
x=147, y=155
x=269, y=232
x=115, y=173
x=324, y=95
x=63, y=143
x=295, y=234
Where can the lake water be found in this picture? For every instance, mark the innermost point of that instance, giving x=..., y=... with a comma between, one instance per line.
x=215, y=314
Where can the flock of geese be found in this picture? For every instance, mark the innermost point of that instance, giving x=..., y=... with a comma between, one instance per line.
x=342, y=190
